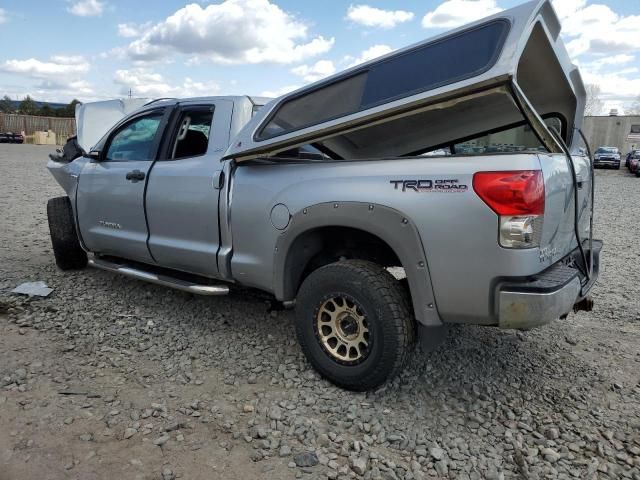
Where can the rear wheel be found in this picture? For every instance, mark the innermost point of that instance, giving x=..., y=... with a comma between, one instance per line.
x=64, y=239
x=354, y=324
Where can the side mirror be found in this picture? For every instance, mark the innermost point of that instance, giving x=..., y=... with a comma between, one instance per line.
x=94, y=155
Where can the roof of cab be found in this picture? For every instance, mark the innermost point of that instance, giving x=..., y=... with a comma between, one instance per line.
x=256, y=100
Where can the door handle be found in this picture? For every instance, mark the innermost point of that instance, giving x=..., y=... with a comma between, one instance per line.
x=135, y=176
x=218, y=180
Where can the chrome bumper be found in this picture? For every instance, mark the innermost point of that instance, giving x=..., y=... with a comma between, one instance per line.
x=547, y=296
x=524, y=310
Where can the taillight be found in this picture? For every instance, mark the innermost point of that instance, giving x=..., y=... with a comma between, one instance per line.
x=511, y=193
x=518, y=199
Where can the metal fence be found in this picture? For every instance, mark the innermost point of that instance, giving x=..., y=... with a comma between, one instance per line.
x=63, y=127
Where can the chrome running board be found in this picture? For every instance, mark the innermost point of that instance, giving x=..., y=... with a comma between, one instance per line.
x=159, y=279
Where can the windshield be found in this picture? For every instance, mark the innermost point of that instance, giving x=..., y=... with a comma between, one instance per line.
x=607, y=150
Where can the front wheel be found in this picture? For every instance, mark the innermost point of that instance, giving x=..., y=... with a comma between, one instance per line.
x=354, y=324
x=64, y=239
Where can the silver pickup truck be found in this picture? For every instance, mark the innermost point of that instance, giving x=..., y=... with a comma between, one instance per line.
x=449, y=160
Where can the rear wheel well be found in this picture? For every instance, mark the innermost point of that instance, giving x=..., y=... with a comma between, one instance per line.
x=321, y=246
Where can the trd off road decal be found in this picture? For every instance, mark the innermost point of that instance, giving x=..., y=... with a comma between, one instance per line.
x=440, y=186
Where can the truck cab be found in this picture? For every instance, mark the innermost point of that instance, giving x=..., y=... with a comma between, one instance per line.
x=168, y=217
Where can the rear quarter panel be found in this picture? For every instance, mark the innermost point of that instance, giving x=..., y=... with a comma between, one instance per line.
x=458, y=231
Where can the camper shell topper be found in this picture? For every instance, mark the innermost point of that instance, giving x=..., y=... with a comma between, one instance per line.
x=505, y=70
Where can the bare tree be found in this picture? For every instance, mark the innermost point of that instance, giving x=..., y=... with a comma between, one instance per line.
x=634, y=108
x=594, y=104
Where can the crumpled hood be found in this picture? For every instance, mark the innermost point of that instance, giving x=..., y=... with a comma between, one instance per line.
x=94, y=119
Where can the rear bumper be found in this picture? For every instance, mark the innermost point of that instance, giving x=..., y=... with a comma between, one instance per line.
x=545, y=297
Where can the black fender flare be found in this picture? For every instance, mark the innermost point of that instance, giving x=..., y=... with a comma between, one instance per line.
x=388, y=224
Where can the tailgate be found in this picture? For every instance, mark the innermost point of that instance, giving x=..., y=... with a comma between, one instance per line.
x=558, y=235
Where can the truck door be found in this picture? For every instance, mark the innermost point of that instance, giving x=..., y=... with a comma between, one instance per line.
x=184, y=186
x=110, y=197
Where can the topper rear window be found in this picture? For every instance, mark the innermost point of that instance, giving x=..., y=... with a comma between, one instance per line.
x=448, y=60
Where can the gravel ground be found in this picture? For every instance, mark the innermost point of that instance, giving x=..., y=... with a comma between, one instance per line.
x=114, y=378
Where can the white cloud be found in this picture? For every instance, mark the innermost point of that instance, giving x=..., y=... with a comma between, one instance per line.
x=616, y=82
x=609, y=62
x=368, y=54
x=312, y=73
x=56, y=66
x=3, y=15
x=453, y=13
x=597, y=29
x=232, y=32
x=617, y=59
x=566, y=8
x=60, y=78
x=621, y=86
x=376, y=17
x=77, y=88
x=280, y=91
x=68, y=59
x=56, y=90
x=146, y=83
x=132, y=30
x=193, y=88
x=603, y=43
x=87, y=8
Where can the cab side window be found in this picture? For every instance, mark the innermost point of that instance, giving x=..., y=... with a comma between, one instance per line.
x=135, y=140
x=194, y=129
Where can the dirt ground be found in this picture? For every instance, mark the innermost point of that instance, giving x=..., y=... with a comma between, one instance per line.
x=114, y=378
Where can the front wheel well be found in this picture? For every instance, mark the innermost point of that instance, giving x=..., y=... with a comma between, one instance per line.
x=321, y=246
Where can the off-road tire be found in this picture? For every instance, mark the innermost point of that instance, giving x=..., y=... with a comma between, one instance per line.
x=389, y=319
x=64, y=239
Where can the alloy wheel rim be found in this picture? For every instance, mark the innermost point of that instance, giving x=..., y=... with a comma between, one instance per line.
x=343, y=330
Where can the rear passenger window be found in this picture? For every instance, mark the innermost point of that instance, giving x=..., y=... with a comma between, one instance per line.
x=194, y=130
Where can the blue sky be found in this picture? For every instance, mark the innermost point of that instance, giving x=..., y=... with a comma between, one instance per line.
x=97, y=49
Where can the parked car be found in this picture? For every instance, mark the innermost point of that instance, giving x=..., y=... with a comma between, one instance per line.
x=607, y=157
x=634, y=154
x=197, y=194
x=10, y=137
x=633, y=164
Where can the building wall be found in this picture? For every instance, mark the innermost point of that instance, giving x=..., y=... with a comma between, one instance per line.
x=612, y=131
